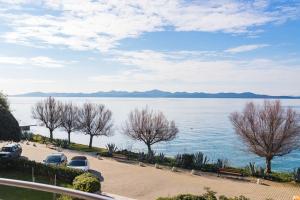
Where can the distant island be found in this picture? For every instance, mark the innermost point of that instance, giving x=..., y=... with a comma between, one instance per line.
x=158, y=94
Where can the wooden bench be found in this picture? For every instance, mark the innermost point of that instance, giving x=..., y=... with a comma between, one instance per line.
x=231, y=172
x=120, y=156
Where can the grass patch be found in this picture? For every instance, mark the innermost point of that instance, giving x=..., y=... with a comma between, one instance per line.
x=73, y=146
x=13, y=193
x=281, y=177
x=85, y=148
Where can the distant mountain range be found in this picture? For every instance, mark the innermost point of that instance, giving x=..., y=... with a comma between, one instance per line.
x=159, y=94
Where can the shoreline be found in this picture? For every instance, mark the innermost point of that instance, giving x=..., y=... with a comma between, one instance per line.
x=121, y=178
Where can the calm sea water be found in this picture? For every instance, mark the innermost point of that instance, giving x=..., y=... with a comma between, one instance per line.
x=203, y=124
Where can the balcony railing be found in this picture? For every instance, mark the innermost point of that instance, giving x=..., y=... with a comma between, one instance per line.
x=53, y=189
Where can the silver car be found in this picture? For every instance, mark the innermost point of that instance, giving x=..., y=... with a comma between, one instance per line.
x=56, y=159
x=11, y=151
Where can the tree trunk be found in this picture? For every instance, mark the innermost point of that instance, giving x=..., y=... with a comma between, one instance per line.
x=149, y=150
x=51, y=135
x=91, y=141
x=268, y=165
x=69, y=137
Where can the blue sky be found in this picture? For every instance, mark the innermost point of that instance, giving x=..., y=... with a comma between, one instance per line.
x=175, y=45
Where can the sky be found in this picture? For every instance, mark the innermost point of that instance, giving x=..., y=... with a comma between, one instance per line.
x=171, y=45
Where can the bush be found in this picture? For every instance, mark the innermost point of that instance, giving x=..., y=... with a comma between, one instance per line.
x=111, y=148
x=61, y=143
x=185, y=161
x=62, y=173
x=210, y=168
x=209, y=195
x=222, y=163
x=296, y=175
x=280, y=176
x=200, y=160
x=64, y=197
x=87, y=182
x=183, y=197
x=27, y=136
x=160, y=158
x=235, y=198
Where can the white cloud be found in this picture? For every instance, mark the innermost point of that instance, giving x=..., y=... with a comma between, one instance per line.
x=150, y=69
x=40, y=61
x=21, y=81
x=245, y=48
x=101, y=25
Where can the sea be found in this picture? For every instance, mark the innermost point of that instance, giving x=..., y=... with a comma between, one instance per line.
x=204, y=126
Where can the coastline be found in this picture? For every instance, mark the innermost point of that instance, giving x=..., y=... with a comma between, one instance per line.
x=122, y=178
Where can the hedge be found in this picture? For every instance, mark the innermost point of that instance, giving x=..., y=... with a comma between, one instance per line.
x=87, y=182
x=61, y=172
x=202, y=197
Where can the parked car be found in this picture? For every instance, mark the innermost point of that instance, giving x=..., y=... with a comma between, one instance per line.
x=56, y=159
x=79, y=162
x=12, y=150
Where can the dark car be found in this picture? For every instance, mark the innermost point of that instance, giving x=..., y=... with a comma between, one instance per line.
x=56, y=159
x=11, y=151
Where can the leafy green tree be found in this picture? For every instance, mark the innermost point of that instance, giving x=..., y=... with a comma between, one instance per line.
x=3, y=101
x=9, y=126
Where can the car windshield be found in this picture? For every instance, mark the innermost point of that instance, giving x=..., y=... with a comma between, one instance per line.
x=53, y=159
x=77, y=163
x=7, y=149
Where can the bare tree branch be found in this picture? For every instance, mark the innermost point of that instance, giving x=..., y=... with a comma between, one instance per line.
x=268, y=130
x=48, y=113
x=95, y=120
x=69, y=119
x=149, y=127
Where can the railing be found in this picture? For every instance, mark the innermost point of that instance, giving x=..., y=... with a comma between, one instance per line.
x=52, y=189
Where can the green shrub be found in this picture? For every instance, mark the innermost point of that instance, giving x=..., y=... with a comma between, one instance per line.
x=210, y=168
x=62, y=173
x=61, y=143
x=141, y=157
x=183, y=197
x=200, y=160
x=64, y=197
x=234, y=198
x=252, y=169
x=111, y=148
x=209, y=195
x=27, y=136
x=185, y=160
x=160, y=158
x=222, y=163
x=87, y=182
x=296, y=175
x=280, y=176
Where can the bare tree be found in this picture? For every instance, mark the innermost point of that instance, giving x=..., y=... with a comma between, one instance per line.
x=95, y=120
x=69, y=119
x=268, y=130
x=48, y=112
x=149, y=127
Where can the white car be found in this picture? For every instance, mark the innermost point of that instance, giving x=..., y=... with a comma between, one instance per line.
x=79, y=162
